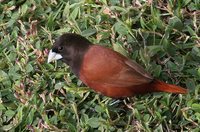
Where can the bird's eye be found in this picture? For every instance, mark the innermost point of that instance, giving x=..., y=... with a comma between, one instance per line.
x=60, y=48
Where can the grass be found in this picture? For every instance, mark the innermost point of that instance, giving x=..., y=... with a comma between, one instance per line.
x=163, y=36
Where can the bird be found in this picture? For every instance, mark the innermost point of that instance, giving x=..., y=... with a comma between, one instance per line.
x=104, y=70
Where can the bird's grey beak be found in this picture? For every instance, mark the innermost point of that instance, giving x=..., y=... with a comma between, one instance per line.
x=53, y=56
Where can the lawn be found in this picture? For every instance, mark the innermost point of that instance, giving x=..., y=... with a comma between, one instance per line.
x=162, y=36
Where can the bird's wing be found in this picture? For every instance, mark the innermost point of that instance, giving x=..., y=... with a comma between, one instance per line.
x=105, y=66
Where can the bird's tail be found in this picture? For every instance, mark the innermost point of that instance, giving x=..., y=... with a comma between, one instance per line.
x=160, y=86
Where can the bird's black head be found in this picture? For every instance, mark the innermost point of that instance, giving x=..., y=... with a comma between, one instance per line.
x=71, y=48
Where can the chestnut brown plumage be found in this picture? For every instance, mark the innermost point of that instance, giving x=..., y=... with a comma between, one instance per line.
x=106, y=71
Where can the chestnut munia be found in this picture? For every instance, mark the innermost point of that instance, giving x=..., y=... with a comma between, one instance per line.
x=106, y=71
